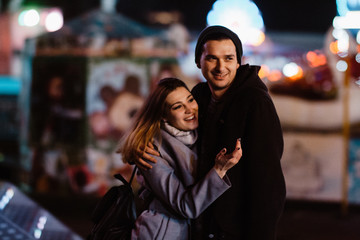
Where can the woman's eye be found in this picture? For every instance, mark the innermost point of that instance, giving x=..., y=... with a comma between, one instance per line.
x=191, y=99
x=176, y=107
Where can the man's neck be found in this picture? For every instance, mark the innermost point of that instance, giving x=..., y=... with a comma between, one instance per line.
x=218, y=94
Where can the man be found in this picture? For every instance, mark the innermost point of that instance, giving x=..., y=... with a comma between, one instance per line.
x=234, y=103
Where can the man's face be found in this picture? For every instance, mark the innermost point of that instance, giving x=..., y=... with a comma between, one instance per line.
x=218, y=63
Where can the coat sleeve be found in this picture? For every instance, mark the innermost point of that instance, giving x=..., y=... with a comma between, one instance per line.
x=267, y=185
x=188, y=202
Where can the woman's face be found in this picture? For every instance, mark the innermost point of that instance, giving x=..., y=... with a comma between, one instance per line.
x=182, y=110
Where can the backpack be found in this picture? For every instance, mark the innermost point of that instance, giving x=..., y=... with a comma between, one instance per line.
x=114, y=216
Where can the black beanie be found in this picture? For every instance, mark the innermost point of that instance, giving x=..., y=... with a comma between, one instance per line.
x=217, y=30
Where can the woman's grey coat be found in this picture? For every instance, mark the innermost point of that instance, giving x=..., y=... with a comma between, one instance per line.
x=177, y=198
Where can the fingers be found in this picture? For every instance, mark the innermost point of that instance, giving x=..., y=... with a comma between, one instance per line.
x=238, y=144
x=221, y=153
x=151, y=150
x=237, y=147
x=151, y=145
x=141, y=163
x=148, y=157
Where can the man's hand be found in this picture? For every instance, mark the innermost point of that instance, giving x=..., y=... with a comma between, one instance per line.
x=145, y=157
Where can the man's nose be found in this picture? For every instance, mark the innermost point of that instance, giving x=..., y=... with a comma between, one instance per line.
x=220, y=65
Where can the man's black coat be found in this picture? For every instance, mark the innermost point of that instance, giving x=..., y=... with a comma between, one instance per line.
x=251, y=208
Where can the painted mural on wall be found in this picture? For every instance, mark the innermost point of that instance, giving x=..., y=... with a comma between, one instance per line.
x=312, y=164
x=116, y=90
x=57, y=121
x=79, y=110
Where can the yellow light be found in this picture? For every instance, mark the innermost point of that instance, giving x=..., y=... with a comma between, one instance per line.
x=264, y=71
x=275, y=75
x=299, y=74
x=334, y=47
x=316, y=59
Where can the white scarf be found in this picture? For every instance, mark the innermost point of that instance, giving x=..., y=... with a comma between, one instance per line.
x=186, y=137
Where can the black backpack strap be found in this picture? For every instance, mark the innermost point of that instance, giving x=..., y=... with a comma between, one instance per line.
x=122, y=179
x=132, y=175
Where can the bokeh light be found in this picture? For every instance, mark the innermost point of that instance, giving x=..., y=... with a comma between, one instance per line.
x=274, y=75
x=29, y=18
x=350, y=21
x=54, y=21
x=341, y=66
x=344, y=6
x=293, y=71
x=264, y=71
x=357, y=57
x=241, y=16
x=316, y=59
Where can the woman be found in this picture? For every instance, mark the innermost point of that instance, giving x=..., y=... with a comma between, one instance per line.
x=169, y=119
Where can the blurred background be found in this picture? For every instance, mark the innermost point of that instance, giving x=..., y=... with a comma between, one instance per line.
x=74, y=73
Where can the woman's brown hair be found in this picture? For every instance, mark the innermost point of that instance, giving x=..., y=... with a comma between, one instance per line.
x=148, y=119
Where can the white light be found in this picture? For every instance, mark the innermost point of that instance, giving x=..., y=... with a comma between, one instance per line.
x=37, y=233
x=350, y=21
x=358, y=37
x=343, y=43
x=41, y=223
x=6, y=198
x=241, y=16
x=339, y=33
x=358, y=82
x=341, y=66
x=31, y=18
x=357, y=57
x=54, y=21
x=290, y=69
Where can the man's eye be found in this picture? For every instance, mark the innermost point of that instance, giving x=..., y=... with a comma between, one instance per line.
x=211, y=58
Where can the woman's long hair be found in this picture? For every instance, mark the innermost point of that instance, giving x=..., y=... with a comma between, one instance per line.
x=148, y=119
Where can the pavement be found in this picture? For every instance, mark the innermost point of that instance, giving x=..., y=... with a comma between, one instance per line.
x=301, y=220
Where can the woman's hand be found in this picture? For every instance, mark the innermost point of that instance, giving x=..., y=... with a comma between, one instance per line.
x=145, y=157
x=224, y=162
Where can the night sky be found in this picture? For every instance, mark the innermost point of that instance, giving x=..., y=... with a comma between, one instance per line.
x=278, y=15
